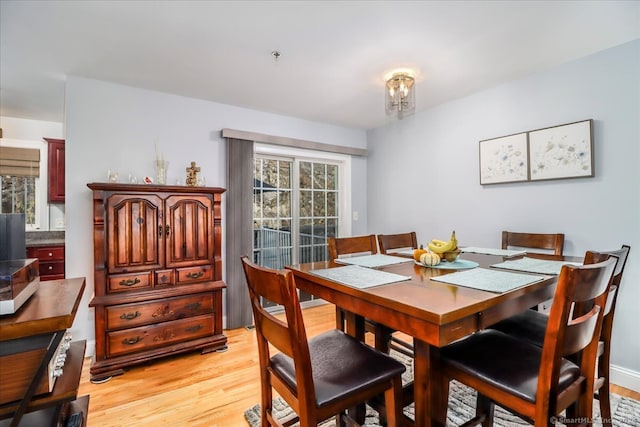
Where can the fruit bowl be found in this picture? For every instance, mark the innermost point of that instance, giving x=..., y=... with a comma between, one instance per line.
x=451, y=256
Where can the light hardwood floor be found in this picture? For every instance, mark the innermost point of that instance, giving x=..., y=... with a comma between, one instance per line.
x=211, y=390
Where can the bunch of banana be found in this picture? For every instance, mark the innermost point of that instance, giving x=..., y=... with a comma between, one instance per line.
x=440, y=247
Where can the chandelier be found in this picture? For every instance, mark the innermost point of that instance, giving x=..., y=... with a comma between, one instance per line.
x=400, y=94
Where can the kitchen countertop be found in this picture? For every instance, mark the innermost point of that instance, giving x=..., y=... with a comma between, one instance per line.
x=44, y=238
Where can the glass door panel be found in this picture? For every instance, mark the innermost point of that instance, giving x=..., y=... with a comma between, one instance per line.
x=305, y=206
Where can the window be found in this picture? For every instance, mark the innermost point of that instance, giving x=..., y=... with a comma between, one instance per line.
x=19, y=196
x=21, y=180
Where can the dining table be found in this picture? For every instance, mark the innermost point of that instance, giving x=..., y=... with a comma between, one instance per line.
x=420, y=304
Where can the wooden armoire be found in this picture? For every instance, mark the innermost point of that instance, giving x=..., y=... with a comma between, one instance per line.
x=158, y=273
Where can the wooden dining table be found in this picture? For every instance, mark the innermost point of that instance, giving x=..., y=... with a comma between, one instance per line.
x=433, y=313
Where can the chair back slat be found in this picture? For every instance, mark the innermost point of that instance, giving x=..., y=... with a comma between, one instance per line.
x=554, y=242
x=275, y=332
x=388, y=242
x=352, y=245
x=622, y=254
x=611, y=300
x=579, y=332
x=588, y=282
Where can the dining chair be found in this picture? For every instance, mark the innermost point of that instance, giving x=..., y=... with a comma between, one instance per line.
x=554, y=242
x=537, y=383
x=339, y=246
x=319, y=377
x=384, y=340
x=388, y=242
x=530, y=326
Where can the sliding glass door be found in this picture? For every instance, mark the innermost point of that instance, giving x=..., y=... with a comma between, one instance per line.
x=296, y=208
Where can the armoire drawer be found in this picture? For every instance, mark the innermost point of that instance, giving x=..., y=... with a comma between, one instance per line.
x=127, y=282
x=200, y=273
x=158, y=335
x=131, y=315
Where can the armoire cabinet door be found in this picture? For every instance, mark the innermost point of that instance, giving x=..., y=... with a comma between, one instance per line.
x=189, y=238
x=135, y=233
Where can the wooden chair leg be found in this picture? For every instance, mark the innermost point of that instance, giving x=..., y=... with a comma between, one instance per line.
x=266, y=409
x=393, y=404
x=484, y=410
x=604, y=396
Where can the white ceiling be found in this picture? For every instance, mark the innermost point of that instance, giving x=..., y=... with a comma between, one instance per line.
x=334, y=54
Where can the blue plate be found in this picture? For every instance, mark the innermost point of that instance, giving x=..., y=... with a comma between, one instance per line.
x=459, y=264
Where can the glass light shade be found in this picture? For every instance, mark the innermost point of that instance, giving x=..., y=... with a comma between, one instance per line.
x=400, y=95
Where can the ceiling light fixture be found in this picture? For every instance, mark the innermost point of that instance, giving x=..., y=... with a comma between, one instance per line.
x=400, y=94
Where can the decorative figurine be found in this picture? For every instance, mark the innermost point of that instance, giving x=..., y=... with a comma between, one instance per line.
x=192, y=175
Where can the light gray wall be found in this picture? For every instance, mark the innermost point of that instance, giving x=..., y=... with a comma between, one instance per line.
x=423, y=172
x=115, y=127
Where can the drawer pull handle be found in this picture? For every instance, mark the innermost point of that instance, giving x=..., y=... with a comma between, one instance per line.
x=164, y=336
x=197, y=275
x=193, y=306
x=50, y=253
x=195, y=328
x=132, y=341
x=50, y=267
x=129, y=282
x=130, y=316
x=163, y=311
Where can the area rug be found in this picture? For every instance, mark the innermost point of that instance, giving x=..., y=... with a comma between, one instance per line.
x=462, y=404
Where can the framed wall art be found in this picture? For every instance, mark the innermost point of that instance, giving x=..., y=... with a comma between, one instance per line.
x=564, y=151
x=504, y=159
x=556, y=152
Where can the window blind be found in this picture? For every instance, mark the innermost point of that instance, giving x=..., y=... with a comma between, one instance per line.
x=16, y=161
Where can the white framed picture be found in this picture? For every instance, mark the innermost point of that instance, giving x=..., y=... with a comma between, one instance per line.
x=564, y=151
x=504, y=159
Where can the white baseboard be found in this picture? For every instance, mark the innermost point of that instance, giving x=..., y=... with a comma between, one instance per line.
x=625, y=378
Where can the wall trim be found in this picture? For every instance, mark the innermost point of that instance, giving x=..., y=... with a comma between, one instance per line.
x=625, y=378
x=292, y=142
